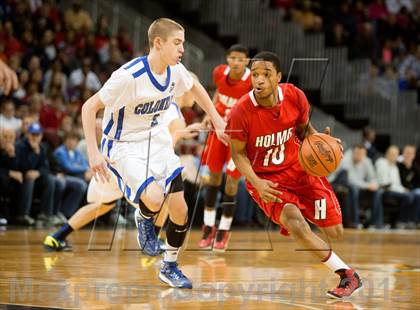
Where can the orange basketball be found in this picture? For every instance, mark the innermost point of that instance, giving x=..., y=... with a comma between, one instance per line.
x=320, y=155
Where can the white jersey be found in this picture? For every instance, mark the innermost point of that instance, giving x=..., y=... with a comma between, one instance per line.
x=112, y=190
x=136, y=100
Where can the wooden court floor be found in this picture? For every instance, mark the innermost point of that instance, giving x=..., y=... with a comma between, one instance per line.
x=263, y=270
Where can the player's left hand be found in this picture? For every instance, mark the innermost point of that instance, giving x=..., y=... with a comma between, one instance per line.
x=207, y=123
x=327, y=131
x=192, y=131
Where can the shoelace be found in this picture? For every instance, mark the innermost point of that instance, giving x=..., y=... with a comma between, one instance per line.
x=344, y=282
x=173, y=268
x=148, y=230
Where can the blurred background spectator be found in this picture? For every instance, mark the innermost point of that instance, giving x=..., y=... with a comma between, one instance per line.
x=390, y=181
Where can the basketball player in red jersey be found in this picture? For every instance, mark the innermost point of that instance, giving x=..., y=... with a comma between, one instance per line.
x=232, y=81
x=266, y=128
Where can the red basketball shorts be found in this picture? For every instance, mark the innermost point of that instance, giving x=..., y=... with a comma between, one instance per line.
x=216, y=155
x=314, y=197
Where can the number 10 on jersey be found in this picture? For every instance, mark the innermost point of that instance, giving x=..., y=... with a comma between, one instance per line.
x=276, y=155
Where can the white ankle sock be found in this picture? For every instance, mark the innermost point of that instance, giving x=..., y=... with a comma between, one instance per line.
x=225, y=223
x=171, y=253
x=209, y=217
x=334, y=262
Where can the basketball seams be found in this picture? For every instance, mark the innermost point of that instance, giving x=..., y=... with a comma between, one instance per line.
x=302, y=160
x=335, y=158
x=316, y=154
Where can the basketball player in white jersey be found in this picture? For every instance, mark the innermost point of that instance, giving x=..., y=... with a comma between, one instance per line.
x=137, y=148
x=102, y=197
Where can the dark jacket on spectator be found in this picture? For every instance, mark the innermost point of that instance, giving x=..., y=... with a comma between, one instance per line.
x=410, y=178
x=7, y=163
x=28, y=160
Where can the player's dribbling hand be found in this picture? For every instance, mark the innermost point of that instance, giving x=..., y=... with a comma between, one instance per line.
x=327, y=131
x=98, y=164
x=267, y=191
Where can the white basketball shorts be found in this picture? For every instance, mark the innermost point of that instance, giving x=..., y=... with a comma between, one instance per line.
x=136, y=164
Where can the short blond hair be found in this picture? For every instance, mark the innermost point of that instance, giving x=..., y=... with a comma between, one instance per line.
x=162, y=27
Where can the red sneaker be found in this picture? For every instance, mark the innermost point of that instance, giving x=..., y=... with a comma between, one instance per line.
x=206, y=241
x=350, y=283
x=222, y=240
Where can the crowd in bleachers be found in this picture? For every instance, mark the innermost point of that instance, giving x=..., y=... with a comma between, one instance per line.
x=61, y=58
x=385, y=31
x=387, y=186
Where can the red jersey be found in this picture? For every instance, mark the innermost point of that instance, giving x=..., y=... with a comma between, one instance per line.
x=230, y=91
x=270, y=133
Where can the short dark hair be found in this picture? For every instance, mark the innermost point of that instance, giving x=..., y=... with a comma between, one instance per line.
x=71, y=135
x=358, y=146
x=267, y=56
x=238, y=48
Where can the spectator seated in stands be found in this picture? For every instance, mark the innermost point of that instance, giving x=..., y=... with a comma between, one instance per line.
x=52, y=113
x=78, y=19
x=369, y=137
x=410, y=177
x=83, y=78
x=390, y=181
x=32, y=161
x=75, y=174
x=70, y=159
x=307, y=18
x=7, y=116
x=409, y=71
x=10, y=177
x=370, y=83
x=362, y=179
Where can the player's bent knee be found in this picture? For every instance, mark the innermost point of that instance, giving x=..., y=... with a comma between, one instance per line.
x=179, y=209
x=298, y=228
x=154, y=203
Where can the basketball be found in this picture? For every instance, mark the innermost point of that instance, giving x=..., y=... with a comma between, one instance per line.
x=320, y=154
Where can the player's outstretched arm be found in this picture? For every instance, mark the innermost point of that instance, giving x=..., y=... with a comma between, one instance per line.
x=206, y=103
x=97, y=162
x=265, y=188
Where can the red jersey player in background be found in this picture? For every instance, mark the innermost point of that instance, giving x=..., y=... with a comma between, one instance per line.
x=266, y=128
x=232, y=81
